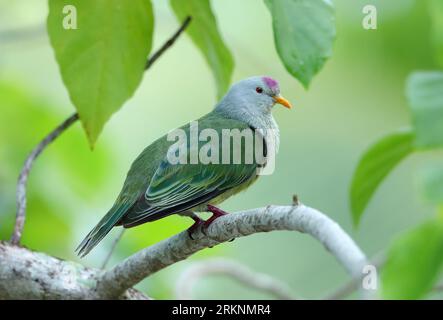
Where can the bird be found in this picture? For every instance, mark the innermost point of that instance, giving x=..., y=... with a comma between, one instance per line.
x=155, y=187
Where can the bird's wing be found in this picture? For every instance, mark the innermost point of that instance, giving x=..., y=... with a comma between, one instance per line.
x=176, y=188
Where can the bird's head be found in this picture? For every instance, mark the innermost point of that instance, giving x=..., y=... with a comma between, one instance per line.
x=255, y=95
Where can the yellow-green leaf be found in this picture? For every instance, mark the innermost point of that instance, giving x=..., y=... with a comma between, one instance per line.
x=425, y=95
x=432, y=181
x=436, y=13
x=205, y=34
x=414, y=262
x=374, y=166
x=101, y=47
x=304, y=32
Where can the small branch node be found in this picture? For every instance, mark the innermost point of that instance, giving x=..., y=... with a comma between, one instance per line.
x=295, y=200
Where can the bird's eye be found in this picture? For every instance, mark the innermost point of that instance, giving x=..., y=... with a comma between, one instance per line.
x=259, y=90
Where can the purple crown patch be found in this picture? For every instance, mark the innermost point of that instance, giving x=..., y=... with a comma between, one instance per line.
x=271, y=83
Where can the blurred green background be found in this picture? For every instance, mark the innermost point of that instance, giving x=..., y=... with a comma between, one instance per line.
x=355, y=99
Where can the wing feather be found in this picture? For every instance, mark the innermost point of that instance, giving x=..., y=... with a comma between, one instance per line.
x=175, y=188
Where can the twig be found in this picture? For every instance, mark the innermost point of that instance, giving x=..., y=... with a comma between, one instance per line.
x=345, y=290
x=238, y=271
x=111, y=250
x=24, y=174
x=22, y=34
x=437, y=288
x=168, y=43
x=355, y=283
x=295, y=200
x=131, y=271
x=351, y=286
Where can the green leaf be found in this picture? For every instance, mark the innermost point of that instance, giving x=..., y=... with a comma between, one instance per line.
x=206, y=36
x=102, y=61
x=374, y=166
x=432, y=181
x=436, y=13
x=425, y=95
x=304, y=32
x=413, y=262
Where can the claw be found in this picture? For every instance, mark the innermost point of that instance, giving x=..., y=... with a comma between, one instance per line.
x=216, y=213
x=198, y=222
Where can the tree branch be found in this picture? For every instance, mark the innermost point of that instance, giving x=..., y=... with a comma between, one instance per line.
x=168, y=43
x=238, y=271
x=24, y=174
x=25, y=274
x=179, y=247
x=54, y=134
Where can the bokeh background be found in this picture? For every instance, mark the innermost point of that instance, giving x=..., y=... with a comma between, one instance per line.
x=356, y=98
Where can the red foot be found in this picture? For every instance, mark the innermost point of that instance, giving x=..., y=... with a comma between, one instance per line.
x=198, y=222
x=216, y=213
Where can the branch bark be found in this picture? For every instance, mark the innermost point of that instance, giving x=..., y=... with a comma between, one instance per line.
x=25, y=274
x=54, y=134
x=179, y=247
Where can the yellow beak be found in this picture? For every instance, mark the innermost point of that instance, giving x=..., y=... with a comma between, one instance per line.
x=282, y=101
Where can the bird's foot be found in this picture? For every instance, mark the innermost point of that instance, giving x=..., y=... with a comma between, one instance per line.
x=216, y=213
x=198, y=222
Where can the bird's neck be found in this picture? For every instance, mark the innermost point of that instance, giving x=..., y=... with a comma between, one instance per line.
x=263, y=121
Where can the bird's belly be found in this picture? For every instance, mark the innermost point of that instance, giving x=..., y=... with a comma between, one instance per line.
x=219, y=199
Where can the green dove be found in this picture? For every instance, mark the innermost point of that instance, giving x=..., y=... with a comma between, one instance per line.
x=166, y=179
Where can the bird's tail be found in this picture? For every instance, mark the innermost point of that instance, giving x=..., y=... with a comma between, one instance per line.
x=101, y=230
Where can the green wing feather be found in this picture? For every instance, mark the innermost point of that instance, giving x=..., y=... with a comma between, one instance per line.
x=187, y=187
x=102, y=228
x=155, y=188
x=175, y=188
